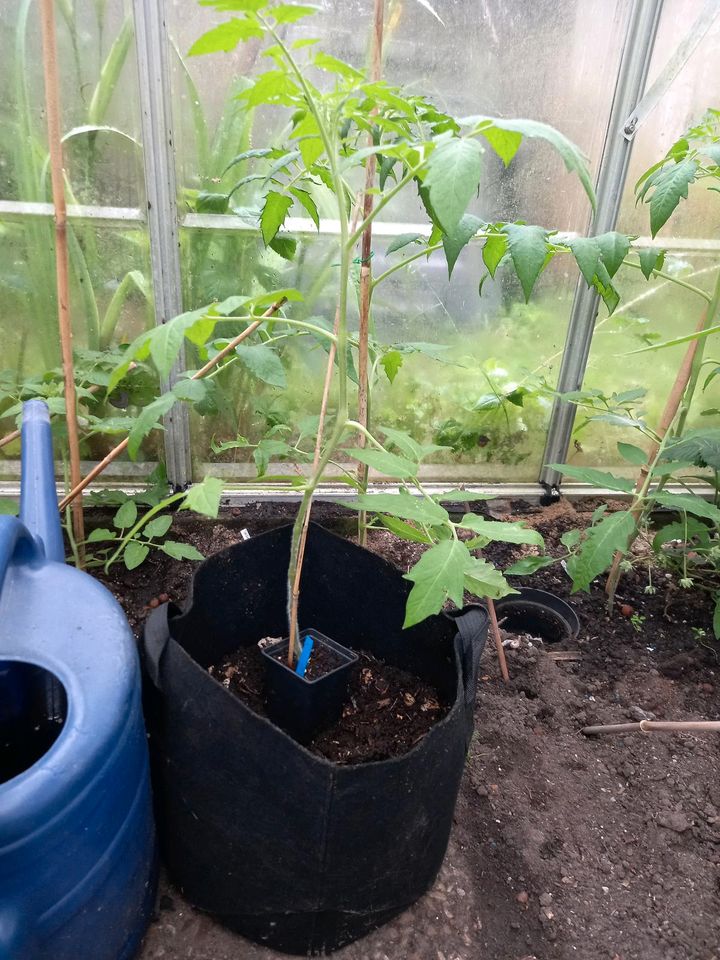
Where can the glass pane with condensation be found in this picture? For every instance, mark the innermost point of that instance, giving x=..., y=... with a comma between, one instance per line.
x=698, y=217
x=650, y=313
x=109, y=304
x=99, y=99
x=483, y=58
x=473, y=371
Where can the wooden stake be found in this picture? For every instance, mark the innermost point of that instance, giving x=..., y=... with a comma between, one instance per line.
x=672, y=405
x=198, y=375
x=657, y=726
x=52, y=105
x=495, y=630
x=366, y=269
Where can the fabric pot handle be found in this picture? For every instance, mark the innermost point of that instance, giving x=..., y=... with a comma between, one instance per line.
x=156, y=633
x=472, y=627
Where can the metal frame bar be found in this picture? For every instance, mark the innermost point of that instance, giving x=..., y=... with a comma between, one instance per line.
x=152, y=46
x=632, y=75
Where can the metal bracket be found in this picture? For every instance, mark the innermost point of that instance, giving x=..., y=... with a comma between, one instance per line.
x=152, y=46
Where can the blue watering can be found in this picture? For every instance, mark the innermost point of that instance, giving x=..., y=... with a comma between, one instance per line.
x=77, y=843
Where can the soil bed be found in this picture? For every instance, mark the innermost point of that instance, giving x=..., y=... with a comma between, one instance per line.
x=388, y=710
x=563, y=847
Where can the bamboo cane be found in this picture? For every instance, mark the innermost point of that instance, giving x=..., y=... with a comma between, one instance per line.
x=52, y=106
x=495, y=630
x=655, y=726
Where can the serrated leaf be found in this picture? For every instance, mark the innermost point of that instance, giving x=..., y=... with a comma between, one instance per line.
x=225, y=37
x=633, y=454
x=699, y=447
x=452, y=179
x=495, y=530
x=255, y=153
x=324, y=61
x=391, y=362
x=587, y=254
x=100, y=535
x=614, y=248
x=148, y=418
x=505, y=143
x=598, y=478
x=403, y=530
x=212, y=202
x=570, y=538
x=135, y=554
x=274, y=211
x=311, y=149
x=402, y=505
x=527, y=565
x=483, y=580
x=157, y=527
x=304, y=198
x=193, y=391
x=681, y=530
x=284, y=246
x=601, y=543
x=650, y=260
x=263, y=363
x=689, y=503
x=408, y=445
x=439, y=575
x=291, y=12
x=494, y=249
x=402, y=241
x=454, y=241
x=388, y=464
x=462, y=496
x=181, y=551
x=126, y=515
x=669, y=187
x=528, y=249
x=204, y=497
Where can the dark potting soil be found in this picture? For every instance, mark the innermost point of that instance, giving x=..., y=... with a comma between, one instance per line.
x=562, y=846
x=388, y=710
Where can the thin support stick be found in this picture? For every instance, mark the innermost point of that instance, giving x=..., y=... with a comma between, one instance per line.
x=366, y=271
x=198, y=375
x=495, y=630
x=656, y=726
x=52, y=105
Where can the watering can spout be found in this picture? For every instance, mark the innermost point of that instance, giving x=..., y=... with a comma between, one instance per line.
x=38, y=497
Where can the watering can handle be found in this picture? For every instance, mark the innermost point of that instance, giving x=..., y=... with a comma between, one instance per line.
x=15, y=538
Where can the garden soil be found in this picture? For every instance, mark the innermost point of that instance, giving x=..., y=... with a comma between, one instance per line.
x=563, y=847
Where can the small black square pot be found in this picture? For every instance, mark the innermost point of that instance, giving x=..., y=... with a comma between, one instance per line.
x=303, y=707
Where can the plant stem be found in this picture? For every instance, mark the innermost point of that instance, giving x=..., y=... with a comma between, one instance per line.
x=675, y=280
x=130, y=535
x=52, y=105
x=426, y=251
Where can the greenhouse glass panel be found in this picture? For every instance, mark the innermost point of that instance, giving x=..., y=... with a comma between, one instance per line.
x=649, y=313
x=99, y=98
x=110, y=304
x=473, y=374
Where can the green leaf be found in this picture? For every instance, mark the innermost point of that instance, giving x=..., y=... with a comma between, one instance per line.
x=452, y=179
x=598, y=478
x=409, y=446
x=684, y=530
x=135, y=553
x=699, y=447
x=505, y=143
x=192, y=391
x=181, y=551
x=669, y=186
x=402, y=241
x=126, y=515
x=633, y=454
x=528, y=249
x=274, y=211
x=403, y=530
x=494, y=249
x=284, y=246
x=586, y=251
x=204, y=497
x=148, y=419
x=716, y=617
x=157, y=527
x=438, y=575
x=503, y=532
x=614, y=248
x=324, y=61
x=391, y=363
x=650, y=260
x=462, y=496
x=263, y=363
x=225, y=37
x=388, y=464
x=304, y=198
x=212, y=202
x=101, y=534
x=255, y=153
x=402, y=505
x=689, y=503
x=483, y=580
x=602, y=541
x=291, y=12
x=458, y=238
x=570, y=538
x=527, y=565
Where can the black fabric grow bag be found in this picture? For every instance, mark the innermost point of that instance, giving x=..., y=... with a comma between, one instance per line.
x=291, y=850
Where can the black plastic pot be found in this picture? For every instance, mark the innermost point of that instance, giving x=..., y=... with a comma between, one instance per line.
x=295, y=852
x=303, y=706
x=539, y=613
